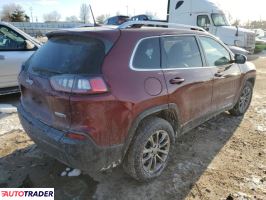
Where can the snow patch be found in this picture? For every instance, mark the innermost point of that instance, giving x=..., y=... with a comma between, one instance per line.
x=9, y=123
x=74, y=172
x=64, y=173
x=7, y=108
x=261, y=111
x=242, y=196
x=256, y=182
x=261, y=128
x=71, y=173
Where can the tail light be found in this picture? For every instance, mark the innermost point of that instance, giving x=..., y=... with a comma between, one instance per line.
x=78, y=84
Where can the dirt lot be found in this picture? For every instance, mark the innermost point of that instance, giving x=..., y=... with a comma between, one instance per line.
x=224, y=158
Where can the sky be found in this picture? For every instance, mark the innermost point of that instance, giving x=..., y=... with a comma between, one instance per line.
x=240, y=9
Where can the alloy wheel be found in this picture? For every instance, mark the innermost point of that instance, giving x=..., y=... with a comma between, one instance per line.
x=156, y=151
x=245, y=99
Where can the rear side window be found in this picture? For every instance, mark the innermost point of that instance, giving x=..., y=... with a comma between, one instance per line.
x=181, y=52
x=68, y=55
x=147, y=55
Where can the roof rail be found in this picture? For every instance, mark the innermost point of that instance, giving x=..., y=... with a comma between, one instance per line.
x=139, y=24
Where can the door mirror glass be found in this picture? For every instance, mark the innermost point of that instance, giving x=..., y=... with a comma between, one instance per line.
x=207, y=27
x=240, y=59
x=29, y=45
x=221, y=61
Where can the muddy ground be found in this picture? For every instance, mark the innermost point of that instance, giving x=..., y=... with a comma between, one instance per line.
x=225, y=158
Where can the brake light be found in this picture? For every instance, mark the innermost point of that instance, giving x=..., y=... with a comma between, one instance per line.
x=98, y=85
x=78, y=84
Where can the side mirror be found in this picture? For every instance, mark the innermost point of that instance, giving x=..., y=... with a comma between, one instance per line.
x=207, y=27
x=240, y=59
x=29, y=45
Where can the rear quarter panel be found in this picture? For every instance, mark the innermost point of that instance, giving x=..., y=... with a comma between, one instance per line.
x=109, y=117
x=128, y=86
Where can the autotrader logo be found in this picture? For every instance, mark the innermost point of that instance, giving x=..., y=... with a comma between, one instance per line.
x=27, y=193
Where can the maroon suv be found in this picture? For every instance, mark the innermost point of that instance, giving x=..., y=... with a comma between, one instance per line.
x=97, y=97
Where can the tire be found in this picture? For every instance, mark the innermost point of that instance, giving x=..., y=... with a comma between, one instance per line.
x=145, y=166
x=244, y=100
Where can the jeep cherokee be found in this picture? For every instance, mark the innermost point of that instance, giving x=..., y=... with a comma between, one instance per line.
x=97, y=97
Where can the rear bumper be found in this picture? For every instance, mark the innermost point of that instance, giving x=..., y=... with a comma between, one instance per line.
x=84, y=155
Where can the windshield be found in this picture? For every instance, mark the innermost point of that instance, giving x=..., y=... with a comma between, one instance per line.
x=219, y=20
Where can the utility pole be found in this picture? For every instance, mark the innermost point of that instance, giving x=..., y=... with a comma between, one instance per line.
x=31, y=15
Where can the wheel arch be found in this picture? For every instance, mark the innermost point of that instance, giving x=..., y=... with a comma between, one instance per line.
x=251, y=80
x=169, y=112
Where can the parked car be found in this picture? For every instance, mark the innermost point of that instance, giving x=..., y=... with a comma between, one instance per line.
x=15, y=48
x=116, y=20
x=97, y=97
x=141, y=18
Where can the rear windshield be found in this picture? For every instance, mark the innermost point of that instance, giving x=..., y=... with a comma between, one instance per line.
x=68, y=55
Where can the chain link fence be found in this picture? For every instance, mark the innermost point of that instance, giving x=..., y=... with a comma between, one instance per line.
x=40, y=29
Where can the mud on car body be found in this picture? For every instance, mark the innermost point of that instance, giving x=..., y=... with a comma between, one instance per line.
x=97, y=97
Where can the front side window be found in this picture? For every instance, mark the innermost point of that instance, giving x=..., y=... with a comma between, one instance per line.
x=216, y=54
x=147, y=55
x=203, y=21
x=10, y=40
x=181, y=52
x=219, y=20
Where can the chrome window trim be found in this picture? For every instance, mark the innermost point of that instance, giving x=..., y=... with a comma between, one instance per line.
x=162, y=69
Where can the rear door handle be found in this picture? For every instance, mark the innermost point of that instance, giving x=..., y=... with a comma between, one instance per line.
x=2, y=57
x=177, y=80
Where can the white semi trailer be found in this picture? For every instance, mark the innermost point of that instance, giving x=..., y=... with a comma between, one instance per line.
x=209, y=15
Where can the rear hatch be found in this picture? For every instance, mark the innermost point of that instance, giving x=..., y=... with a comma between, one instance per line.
x=47, y=77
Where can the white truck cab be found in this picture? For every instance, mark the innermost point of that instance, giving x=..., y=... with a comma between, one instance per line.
x=209, y=15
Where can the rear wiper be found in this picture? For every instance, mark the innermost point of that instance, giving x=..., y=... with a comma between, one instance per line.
x=39, y=69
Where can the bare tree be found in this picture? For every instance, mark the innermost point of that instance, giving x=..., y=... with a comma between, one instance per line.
x=101, y=18
x=52, y=17
x=236, y=22
x=229, y=17
x=84, y=13
x=72, y=19
x=13, y=13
